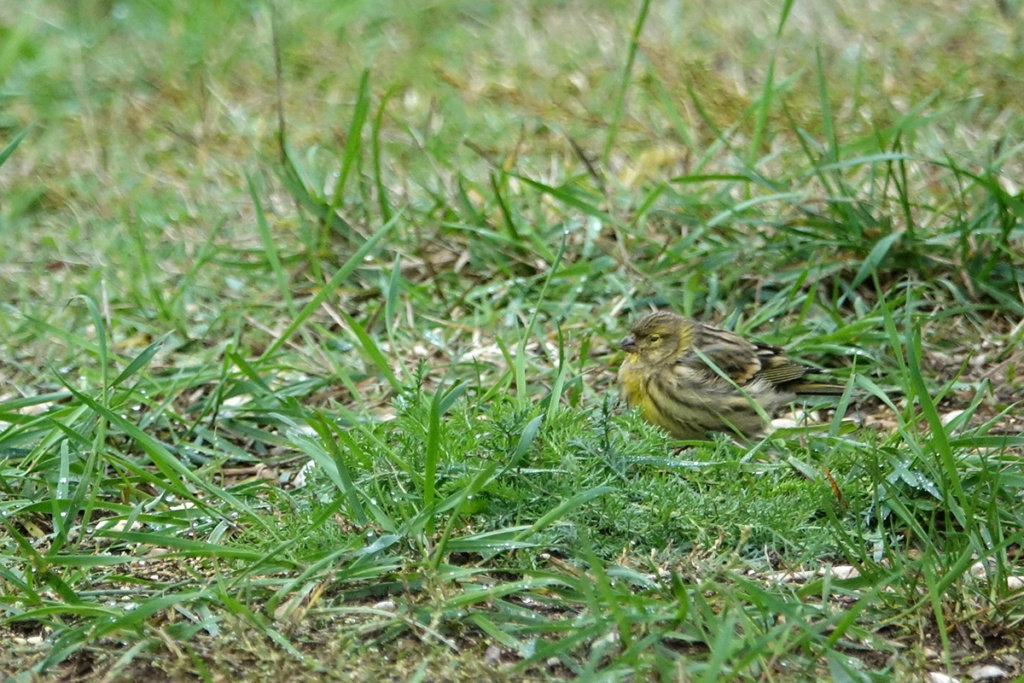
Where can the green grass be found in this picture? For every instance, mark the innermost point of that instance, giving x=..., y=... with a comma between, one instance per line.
x=346, y=409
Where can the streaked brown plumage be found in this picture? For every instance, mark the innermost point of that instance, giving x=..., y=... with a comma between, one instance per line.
x=666, y=376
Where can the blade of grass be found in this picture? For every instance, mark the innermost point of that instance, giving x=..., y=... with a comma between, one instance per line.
x=519, y=362
x=353, y=143
x=13, y=145
x=335, y=465
x=618, y=105
x=340, y=276
x=562, y=509
x=270, y=248
x=371, y=349
x=765, y=103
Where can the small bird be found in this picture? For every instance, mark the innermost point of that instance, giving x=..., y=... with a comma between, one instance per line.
x=666, y=373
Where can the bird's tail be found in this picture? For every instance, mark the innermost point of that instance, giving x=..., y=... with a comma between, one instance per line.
x=816, y=389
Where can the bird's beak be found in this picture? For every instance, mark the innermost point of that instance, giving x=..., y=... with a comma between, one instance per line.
x=628, y=344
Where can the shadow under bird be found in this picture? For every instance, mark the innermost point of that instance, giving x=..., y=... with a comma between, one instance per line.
x=668, y=373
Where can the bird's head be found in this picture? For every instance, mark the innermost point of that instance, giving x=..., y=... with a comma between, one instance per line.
x=658, y=337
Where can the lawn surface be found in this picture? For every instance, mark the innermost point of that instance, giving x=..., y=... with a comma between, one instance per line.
x=309, y=320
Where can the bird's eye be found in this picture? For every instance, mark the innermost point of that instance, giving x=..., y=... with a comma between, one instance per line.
x=655, y=338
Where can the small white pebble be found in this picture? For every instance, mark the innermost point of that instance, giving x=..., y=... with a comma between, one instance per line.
x=950, y=416
x=117, y=526
x=983, y=672
x=493, y=655
x=845, y=572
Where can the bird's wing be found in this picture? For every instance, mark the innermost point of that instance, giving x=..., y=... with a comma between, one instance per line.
x=776, y=368
x=741, y=360
x=732, y=354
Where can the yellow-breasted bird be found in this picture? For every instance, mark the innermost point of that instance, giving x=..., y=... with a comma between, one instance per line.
x=666, y=374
